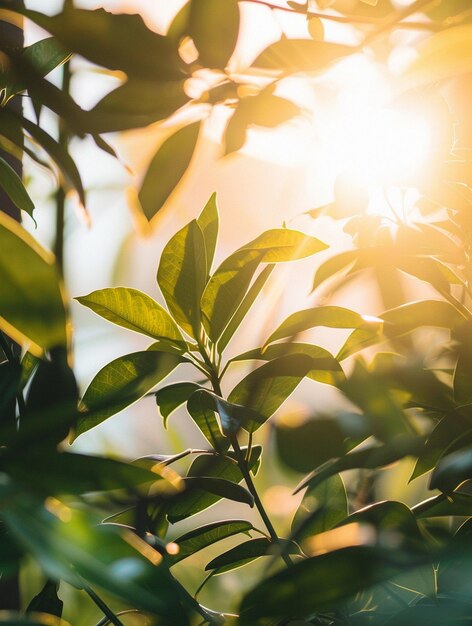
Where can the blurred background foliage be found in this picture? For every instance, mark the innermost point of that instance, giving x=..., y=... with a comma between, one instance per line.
x=316, y=468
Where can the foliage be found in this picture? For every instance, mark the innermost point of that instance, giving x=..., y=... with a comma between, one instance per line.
x=348, y=557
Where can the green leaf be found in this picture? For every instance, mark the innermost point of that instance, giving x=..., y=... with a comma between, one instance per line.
x=308, y=445
x=169, y=398
x=218, y=487
x=31, y=300
x=264, y=110
x=13, y=186
x=300, y=55
x=47, y=600
x=135, y=310
x=266, y=388
x=214, y=27
x=371, y=457
x=194, y=501
x=232, y=416
x=135, y=104
x=457, y=504
x=249, y=551
x=228, y=285
x=57, y=473
x=321, y=583
x=446, y=432
x=205, y=536
x=321, y=509
x=208, y=221
x=328, y=316
x=116, y=41
x=121, y=383
x=69, y=175
x=182, y=276
x=384, y=413
x=203, y=414
x=325, y=368
x=110, y=557
x=242, y=310
x=166, y=169
x=401, y=321
x=452, y=470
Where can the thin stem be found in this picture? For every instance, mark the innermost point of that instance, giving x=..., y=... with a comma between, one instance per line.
x=63, y=141
x=104, y=608
x=347, y=19
x=257, y=501
x=242, y=464
x=105, y=621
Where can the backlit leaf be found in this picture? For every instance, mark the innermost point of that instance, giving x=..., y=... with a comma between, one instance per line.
x=31, y=300
x=135, y=310
x=121, y=383
x=166, y=169
x=182, y=276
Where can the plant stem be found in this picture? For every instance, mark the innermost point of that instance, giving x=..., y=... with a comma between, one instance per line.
x=347, y=19
x=242, y=464
x=112, y=618
x=60, y=193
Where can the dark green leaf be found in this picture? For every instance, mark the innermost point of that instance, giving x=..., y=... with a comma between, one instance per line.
x=13, y=186
x=59, y=473
x=121, y=383
x=193, y=501
x=456, y=503
x=135, y=310
x=214, y=27
x=321, y=509
x=249, y=551
x=112, y=558
x=308, y=445
x=166, y=169
x=182, y=276
x=321, y=583
x=116, y=41
x=31, y=300
x=136, y=103
x=218, y=487
x=452, y=470
x=169, y=398
x=371, y=457
x=47, y=600
x=204, y=536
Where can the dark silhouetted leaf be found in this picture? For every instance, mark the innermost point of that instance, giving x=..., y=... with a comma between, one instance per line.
x=249, y=551
x=207, y=535
x=12, y=185
x=214, y=27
